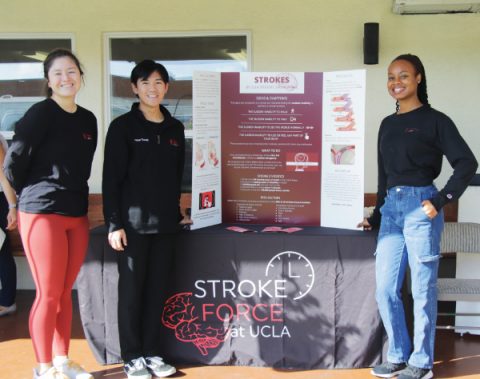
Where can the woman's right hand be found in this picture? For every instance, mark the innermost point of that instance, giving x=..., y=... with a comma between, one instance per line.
x=11, y=219
x=364, y=224
x=118, y=239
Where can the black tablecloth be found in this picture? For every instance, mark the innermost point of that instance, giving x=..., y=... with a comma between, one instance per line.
x=303, y=300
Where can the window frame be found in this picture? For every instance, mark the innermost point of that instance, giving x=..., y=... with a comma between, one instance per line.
x=107, y=37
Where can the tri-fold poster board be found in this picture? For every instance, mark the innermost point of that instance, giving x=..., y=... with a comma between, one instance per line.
x=278, y=148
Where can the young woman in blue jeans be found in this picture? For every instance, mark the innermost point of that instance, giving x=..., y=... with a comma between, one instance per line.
x=411, y=145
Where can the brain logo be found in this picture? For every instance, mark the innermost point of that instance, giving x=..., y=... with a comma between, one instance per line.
x=179, y=315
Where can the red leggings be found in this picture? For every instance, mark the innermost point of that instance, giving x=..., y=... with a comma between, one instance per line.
x=55, y=246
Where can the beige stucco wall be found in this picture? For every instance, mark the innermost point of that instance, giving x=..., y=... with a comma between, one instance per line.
x=304, y=35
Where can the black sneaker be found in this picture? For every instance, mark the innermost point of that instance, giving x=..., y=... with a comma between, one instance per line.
x=412, y=372
x=388, y=369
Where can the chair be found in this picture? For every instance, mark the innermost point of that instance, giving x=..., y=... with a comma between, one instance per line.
x=460, y=237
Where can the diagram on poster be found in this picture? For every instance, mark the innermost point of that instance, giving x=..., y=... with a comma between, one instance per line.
x=343, y=130
x=206, y=207
x=278, y=148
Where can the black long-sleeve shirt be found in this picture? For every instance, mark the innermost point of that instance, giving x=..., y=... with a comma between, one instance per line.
x=410, y=152
x=142, y=173
x=50, y=159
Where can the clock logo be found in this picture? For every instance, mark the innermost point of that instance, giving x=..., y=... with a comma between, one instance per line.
x=296, y=269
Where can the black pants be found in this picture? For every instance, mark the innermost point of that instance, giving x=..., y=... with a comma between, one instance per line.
x=143, y=269
x=8, y=268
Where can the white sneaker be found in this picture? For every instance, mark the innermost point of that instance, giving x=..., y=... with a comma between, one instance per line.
x=159, y=368
x=51, y=373
x=73, y=370
x=137, y=369
x=4, y=311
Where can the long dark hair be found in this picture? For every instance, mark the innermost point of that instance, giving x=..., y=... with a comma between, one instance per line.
x=48, y=62
x=422, y=86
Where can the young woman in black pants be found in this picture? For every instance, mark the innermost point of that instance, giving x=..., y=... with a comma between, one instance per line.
x=8, y=221
x=142, y=173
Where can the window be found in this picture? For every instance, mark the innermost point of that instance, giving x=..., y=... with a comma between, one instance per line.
x=181, y=54
x=21, y=74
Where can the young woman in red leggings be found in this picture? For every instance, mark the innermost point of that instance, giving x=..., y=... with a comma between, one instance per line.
x=48, y=165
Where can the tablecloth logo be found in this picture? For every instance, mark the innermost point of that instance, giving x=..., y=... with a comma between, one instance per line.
x=218, y=309
x=297, y=270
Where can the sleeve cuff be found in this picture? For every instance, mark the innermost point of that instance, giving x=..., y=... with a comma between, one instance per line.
x=374, y=220
x=112, y=226
x=438, y=202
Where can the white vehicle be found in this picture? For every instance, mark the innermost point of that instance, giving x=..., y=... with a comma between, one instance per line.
x=11, y=110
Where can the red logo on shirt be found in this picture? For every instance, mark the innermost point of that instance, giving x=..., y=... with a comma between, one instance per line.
x=173, y=142
x=87, y=136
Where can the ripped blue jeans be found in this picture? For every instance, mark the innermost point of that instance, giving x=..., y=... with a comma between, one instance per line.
x=408, y=236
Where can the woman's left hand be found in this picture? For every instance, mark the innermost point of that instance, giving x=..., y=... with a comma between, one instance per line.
x=429, y=209
x=186, y=221
x=364, y=224
x=11, y=219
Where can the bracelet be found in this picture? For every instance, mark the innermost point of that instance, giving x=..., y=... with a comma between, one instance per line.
x=12, y=206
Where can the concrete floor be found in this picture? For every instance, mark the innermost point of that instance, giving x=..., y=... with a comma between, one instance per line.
x=456, y=357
